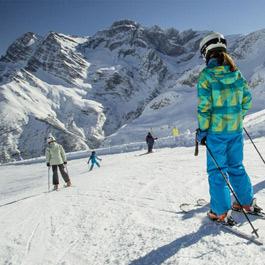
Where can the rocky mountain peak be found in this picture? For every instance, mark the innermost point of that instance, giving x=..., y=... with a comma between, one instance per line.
x=57, y=55
x=59, y=39
x=125, y=24
x=22, y=48
x=249, y=44
x=126, y=35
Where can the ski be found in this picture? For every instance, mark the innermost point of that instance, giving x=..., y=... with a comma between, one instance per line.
x=53, y=190
x=257, y=214
x=60, y=188
x=66, y=186
x=239, y=233
x=187, y=207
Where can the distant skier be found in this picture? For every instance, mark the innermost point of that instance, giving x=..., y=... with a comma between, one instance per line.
x=224, y=100
x=93, y=158
x=55, y=157
x=150, y=140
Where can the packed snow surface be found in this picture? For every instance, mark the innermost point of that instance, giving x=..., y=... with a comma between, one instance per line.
x=125, y=213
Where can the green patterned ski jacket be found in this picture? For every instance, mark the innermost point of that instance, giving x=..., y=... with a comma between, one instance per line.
x=224, y=100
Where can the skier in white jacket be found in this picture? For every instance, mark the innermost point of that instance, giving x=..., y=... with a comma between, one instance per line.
x=55, y=157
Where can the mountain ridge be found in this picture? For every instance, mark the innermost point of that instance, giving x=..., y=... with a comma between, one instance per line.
x=110, y=88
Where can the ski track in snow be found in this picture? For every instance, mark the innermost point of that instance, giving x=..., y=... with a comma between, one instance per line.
x=124, y=213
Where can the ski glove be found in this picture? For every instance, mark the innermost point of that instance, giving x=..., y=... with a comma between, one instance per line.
x=201, y=136
x=65, y=162
x=48, y=164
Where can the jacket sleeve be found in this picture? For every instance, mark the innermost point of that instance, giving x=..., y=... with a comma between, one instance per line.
x=247, y=99
x=48, y=155
x=63, y=154
x=205, y=102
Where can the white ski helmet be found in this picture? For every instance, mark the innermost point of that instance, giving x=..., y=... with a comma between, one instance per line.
x=212, y=41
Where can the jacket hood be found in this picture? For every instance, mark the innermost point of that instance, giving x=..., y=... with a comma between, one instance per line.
x=223, y=74
x=50, y=139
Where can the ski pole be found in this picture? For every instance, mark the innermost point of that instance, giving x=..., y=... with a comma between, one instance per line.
x=48, y=179
x=254, y=145
x=66, y=169
x=196, y=152
x=225, y=176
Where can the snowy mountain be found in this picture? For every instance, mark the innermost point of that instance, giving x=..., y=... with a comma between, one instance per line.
x=110, y=88
x=118, y=215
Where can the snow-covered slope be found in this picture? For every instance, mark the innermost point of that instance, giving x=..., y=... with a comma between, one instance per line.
x=41, y=92
x=124, y=213
x=110, y=88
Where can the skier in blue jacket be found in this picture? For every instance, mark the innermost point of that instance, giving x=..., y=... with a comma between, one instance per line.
x=224, y=99
x=93, y=158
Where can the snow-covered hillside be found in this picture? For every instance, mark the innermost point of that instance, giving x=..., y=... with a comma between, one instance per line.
x=110, y=88
x=124, y=213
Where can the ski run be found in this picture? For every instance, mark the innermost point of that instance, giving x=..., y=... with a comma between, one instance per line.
x=124, y=213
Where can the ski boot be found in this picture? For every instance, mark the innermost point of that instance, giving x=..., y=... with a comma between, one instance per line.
x=225, y=218
x=252, y=209
x=68, y=184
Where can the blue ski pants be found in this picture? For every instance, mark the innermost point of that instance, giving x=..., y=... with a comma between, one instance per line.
x=93, y=163
x=227, y=149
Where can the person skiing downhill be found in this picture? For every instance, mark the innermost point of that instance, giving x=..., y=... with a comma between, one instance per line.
x=150, y=140
x=93, y=158
x=224, y=100
x=55, y=157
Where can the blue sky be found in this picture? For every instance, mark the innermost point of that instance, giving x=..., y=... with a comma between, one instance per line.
x=86, y=17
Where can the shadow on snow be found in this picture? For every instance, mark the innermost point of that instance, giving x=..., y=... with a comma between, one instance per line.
x=161, y=254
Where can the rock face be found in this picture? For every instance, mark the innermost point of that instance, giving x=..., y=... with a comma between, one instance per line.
x=43, y=91
x=56, y=55
x=85, y=90
x=22, y=49
x=131, y=65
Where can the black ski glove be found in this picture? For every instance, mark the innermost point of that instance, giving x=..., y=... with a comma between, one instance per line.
x=48, y=164
x=65, y=162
